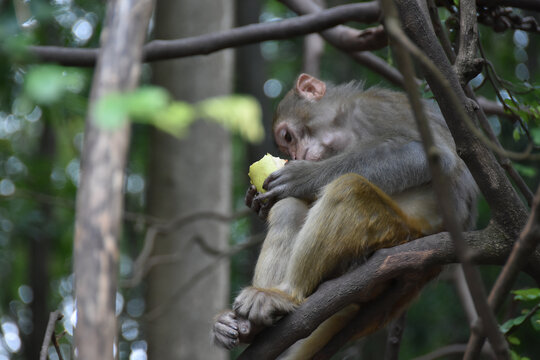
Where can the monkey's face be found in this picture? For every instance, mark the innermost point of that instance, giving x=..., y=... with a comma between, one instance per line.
x=308, y=125
x=310, y=140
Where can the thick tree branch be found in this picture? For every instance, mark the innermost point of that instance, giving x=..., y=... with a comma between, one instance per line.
x=348, y=40
x=467, y=65
x=507, y=209
x=208, y=43
x=441, y=184
x=486, y=106
x=373, y=312
x=489, y=246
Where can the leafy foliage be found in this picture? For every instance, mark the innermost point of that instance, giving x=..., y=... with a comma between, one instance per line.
x=530, y=315
x=152, y=105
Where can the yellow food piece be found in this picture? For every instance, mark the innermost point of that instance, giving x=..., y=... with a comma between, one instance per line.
x=259, y=170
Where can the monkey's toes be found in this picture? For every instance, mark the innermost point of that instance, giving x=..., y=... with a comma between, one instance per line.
x=263, y=306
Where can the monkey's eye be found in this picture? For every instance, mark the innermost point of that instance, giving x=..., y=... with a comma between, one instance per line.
x=286, y=136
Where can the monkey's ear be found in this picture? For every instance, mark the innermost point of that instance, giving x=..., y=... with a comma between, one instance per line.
x=310, y=88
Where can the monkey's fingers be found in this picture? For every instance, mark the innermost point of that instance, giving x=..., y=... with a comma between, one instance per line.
x=250, y=195
x=270, y=179
x=265, y=203
x=271, y=196
x=273, y=179
x=226, y=331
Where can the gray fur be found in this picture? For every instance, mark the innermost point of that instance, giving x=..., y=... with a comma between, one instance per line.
x=386, y=147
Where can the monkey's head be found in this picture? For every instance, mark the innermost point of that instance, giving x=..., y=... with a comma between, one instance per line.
x=309, y=122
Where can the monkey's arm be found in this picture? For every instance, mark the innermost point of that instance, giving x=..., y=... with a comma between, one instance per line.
x=393, y=167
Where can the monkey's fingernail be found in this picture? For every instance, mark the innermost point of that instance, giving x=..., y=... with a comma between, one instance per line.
x=243, y=329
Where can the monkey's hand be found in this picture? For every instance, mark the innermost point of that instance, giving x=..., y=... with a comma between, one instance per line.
x=298, y=178
x=230, y=330
x=253, y=202
x=263, y=307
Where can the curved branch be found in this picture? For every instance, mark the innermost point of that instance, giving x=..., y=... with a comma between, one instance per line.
x=489, y=246
x=440, y=181
x=344, y=38
x=507, y=209
x=208, y=43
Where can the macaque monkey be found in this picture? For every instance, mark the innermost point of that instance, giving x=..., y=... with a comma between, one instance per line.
x=358, y=180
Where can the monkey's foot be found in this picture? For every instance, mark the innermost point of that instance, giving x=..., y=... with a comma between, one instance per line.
x=263, y=306
x=229, y=330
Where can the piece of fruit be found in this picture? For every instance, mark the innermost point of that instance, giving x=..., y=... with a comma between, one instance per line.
x=259, y=170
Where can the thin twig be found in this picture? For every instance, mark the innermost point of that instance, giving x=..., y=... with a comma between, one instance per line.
x=393, y=341
x=140, y=264
x=504, y=161
x=403, y=51
x=57, y=346
x=496, y=83
x=484, y=104
x=439, y=31
x=529, y=315
x=523, y=248
x=49, y=334
x=432, y=69
x=160, y=309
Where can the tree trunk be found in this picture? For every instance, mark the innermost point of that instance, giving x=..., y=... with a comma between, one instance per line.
x=189, y=176
x=99, y=199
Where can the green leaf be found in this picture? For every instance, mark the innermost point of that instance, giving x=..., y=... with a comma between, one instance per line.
x=44, y=84
x=513, y=340
x=527, y=294
x=240, y=114
x=506, y=326
x=514, y=355
x=512, y=323
x=111, y=111
x=175, y=119
x=511, y=103
x=144, y=103
x=516, y=135
x=47, y=84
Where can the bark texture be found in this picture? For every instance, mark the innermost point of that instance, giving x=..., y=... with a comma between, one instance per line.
x=189, y=176
x=100, y=196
